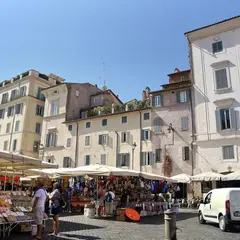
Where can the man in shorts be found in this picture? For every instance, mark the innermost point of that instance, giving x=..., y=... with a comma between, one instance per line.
x=39, y=208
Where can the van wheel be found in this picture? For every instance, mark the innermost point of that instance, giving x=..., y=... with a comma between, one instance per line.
x=222, y=224
x=200, y=218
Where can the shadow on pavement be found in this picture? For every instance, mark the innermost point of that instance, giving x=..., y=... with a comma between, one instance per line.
x=232, y=230
x=73, y=237
x=64, y=226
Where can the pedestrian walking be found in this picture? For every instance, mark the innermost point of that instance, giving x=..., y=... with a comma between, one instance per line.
x=55, y=206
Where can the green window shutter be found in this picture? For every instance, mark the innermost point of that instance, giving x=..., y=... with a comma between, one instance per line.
x=178, y=97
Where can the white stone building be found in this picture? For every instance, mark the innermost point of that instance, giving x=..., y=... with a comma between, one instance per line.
x=215, y=63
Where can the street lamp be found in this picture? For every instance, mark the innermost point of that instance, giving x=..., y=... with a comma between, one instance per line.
x=133, y=148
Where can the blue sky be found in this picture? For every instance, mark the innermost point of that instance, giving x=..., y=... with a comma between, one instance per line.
x=140, y=41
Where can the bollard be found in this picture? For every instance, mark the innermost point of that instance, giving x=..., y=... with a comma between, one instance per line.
x=170, y=225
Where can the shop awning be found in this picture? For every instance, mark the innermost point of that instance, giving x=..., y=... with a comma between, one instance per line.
x=97, y=170
x=231, y=176
x=207, y=176
x=12, y=161
x=181, y=178
x=151, y=176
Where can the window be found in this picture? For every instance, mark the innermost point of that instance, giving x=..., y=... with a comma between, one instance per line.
x=54, y=108
x=51, y=139
x=69, y=142
x=38, y=128
x=19, y=108
x=10, y=111
x=87, y=140
x=221, y=79
x=146, y=158
x=17, y=126
x=184, y=123
x=36, y=146
x=146, y=116
x=39, y=110
x=77, y=93
x=4, y=98
x=8, y=127
x=104, y=122
x=103, y=139
x=217, y=47
x=14, y=148
x=87, y=159
x=146, y=134
x=182, y=96
x=228, y=152
x=103, y=159
x=124, y=119
x=125, y=137
x=0, y=128
x=13, y=94
x=123, y=160
x=2, y=113
x=5, y=145
x=23, y=91
x=88, y=124
x=83, y=114
x=208, y=198
x=69, y=127
x=225, y=119
x=67, y=162
x=186, y=153
x=157, y=101
x=157, y=125
x=40, y=96
x=158, y=153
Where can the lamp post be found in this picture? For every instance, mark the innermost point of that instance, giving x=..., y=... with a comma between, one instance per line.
x=133, y=149
x=171, y=130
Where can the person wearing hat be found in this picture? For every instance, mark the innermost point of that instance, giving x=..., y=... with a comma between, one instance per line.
x=55, y=206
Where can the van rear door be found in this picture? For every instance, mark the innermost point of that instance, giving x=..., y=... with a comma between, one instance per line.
x=235, y=204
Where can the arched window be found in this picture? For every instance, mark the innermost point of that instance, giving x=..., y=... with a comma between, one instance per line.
x=157, y=125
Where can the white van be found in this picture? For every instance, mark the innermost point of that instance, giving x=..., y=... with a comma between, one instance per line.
x=221, y=206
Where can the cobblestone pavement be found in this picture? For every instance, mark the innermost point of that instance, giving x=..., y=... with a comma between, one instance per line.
x=78, y=227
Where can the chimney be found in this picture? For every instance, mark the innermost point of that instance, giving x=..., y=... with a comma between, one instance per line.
x=147, y=91
x=176, y=70
x=143, y=95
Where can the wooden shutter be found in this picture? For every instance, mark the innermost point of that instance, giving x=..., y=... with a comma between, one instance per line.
x=161, y=100
x=142, y=135
x=153, y=101
x=54, y=139
x=119, y=160
x=188, y=95
x=127, y=159
x=183, y=153
x=178, y=97
x=141, y=158
x=233, y=118
x=122, y=137
x=218, y=122
x=37, y=106
x=47, y=140
x=100, y=140
x=187, y=153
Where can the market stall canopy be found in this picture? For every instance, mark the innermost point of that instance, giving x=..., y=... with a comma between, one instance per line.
x=51, y=173
x=207, y=176
x=96, y=170
x=21, y=162
x=151, y=176
x=231, y=176
x=181, y=178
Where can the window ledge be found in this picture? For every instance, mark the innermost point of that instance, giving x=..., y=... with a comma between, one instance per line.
x=159, y=133
x=229, y=160
x=54, y=116
x=53, y=148
x=220, y=64
x=226, y=102
x=223, y=90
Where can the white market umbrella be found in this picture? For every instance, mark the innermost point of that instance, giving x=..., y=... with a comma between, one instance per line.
x=232, y=176
x=181, y=178
x=152, y=176
x=207, y=176
x=96, y=170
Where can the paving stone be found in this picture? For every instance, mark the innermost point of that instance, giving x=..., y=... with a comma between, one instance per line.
x=77, y=227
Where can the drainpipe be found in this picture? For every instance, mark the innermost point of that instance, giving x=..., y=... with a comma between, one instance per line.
x=140, y=141
x=76, y=148
x=192, y=108
x=117, y=144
